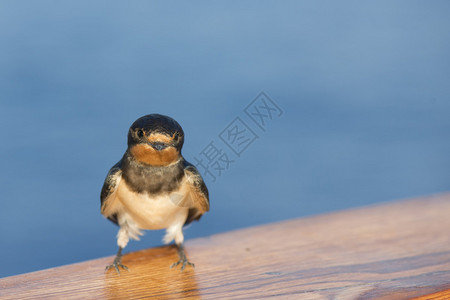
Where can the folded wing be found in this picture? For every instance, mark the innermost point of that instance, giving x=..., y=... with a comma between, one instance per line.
x=198, y=197
x=107, y=196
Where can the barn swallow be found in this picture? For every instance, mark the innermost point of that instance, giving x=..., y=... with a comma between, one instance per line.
x=153, y=187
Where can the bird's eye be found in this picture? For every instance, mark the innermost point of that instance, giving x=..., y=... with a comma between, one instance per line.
x=140, y=133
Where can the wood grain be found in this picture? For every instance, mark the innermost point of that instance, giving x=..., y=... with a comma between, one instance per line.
x=398, y=250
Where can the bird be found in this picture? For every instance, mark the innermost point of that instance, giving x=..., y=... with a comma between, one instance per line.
x=153, y=187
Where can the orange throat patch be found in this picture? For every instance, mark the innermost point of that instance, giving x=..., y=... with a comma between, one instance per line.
x=146, y=154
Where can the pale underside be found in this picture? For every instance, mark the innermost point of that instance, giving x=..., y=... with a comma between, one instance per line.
x=136, y=212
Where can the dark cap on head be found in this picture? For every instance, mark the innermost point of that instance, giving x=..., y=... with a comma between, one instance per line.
x=156, y=123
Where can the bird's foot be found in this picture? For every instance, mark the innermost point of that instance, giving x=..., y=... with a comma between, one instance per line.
x=117, y=263
x=183, y=262
x=183, y=259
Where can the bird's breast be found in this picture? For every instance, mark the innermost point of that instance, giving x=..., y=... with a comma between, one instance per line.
x=150, y=211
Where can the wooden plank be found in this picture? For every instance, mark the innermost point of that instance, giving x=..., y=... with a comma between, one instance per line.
x=398, y=250
x=435, y=296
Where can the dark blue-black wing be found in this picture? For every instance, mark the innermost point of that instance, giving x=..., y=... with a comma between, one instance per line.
x=198, y=191
x=109, y=187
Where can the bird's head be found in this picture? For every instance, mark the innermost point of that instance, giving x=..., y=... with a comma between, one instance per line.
x=155, y=140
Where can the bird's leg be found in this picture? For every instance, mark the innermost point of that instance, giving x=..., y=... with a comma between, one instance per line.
x=117, y=262
x=183, y=259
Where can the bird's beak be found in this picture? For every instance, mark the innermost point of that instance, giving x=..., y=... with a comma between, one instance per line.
x=158, y=146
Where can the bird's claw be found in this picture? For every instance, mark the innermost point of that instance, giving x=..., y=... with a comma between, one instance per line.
x=183, y=262
x=116, y=264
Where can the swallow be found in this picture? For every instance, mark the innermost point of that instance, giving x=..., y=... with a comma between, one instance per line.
x=153, y=187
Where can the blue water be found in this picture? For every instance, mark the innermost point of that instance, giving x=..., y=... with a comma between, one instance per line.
x=363, y=91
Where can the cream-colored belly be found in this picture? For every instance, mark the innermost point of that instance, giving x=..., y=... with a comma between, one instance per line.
x=151, y=212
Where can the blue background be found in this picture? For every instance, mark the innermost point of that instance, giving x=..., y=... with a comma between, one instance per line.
x=364, y=88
